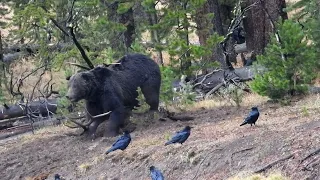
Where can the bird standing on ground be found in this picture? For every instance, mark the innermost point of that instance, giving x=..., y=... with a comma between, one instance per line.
x=156, y=174
x=252, y=117
x=57, y=177
x=180, y=136
x=122, y=143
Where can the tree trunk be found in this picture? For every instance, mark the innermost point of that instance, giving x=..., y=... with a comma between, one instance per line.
x=38, y=107
x=204, y=30
x=127, y=20
x=257, y=24
x=185, y=60
x=214, y=8
x=153, y=20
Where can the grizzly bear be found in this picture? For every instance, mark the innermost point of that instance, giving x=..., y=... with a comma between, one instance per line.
x=114, y=88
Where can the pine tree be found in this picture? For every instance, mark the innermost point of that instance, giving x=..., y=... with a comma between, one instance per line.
x=289, y=76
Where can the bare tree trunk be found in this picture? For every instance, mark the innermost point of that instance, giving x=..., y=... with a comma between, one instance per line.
x=257, y=24
x=204, y=30
x=217, y=27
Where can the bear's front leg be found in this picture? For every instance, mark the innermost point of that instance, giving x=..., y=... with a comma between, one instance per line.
x=91, y=133
x=117, y=119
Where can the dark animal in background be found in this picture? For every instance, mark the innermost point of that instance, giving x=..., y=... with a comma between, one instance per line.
x=237, y=35
x=114, y=89
x=249, y=62
x=122, y=143
x=252, y=117
x=156, y=174
x=176, y=84
x=57, y=177
x=180, y=136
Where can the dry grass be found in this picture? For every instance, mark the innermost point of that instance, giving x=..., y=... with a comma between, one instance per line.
x=44, y=133
x=248, y=100
x=273, y=176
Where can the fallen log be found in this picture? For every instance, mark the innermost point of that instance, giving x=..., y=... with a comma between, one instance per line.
x=205, y=83
x=42, y=107
x=14, y=52
x=209, y=83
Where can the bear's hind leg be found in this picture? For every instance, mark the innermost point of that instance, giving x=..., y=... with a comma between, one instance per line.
x=151, y=94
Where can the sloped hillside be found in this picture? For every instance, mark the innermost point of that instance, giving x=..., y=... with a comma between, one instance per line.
x=218, y=147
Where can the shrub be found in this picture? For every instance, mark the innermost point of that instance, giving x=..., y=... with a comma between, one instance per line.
x=292, y=75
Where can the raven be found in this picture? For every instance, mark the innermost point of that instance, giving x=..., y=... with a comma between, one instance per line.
x=156, y=174
x=122, y=143
x=252, y=118
x=57, y=177
x=180, y=136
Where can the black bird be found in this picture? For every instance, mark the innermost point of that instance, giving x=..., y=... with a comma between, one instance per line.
x=57, y=177
x=180, y=136
x=122, y=143
x=156, y=173
x=252, y=117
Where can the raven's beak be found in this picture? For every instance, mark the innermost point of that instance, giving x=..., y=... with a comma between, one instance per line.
x=191, y=127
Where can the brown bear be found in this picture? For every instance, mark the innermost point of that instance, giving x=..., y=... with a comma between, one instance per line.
x=114, y=89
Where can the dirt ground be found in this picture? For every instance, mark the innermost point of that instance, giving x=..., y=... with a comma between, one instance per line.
x=218, y=148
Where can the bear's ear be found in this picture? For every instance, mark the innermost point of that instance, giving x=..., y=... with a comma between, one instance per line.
x=85, y=76
x=119, y=67
x=101, y=71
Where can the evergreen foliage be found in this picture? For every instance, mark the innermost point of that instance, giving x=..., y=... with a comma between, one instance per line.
x=290, y=76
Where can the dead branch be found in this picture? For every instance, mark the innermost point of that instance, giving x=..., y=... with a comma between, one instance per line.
x=78, y=65
x=85, y=126
x=204, y=78
x=233, y=25
x=213, y=90
x=273, y=163
x=38, y=81
x=317, y=151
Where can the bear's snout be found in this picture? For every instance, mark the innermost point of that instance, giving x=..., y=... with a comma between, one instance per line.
x=70, y=96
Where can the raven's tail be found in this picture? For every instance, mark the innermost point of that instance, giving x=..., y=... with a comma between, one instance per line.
x=167, y=143
x=244, y=123
x=109, y=151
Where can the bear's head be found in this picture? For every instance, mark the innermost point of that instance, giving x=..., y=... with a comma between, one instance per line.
x=83, y=85
x=79, y=86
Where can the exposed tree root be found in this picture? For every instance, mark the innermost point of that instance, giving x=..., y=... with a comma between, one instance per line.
x=317, y=151
x=311, y=165
x=181, y=118
x=242, y=150
x=273, y=163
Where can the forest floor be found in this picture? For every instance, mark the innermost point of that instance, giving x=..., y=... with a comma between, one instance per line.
x=218, y=148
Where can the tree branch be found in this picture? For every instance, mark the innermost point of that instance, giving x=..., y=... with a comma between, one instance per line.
x=83, y=53
x=76, y=42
